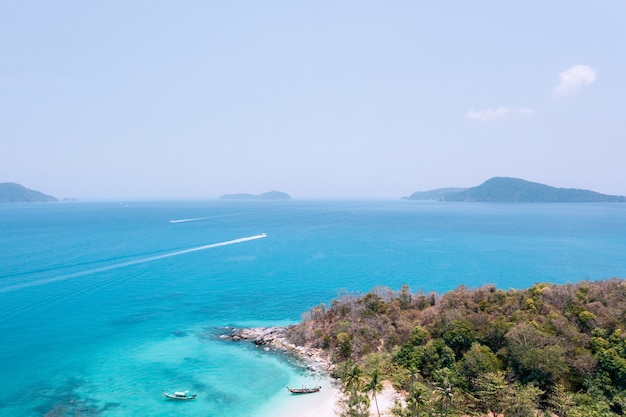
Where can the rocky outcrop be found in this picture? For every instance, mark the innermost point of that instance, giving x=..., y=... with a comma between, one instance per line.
x=275, y=338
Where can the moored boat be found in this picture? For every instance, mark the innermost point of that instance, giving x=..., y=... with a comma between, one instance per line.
x=303, y=390
x=180, y=395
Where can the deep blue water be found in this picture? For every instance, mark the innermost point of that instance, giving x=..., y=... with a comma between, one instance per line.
x=103, y=305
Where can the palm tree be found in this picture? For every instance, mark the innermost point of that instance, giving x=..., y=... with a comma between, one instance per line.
x=356, y=402
x=354, y=379
x=417, y=399
x=415, y=373
x=374, y=386
x=445, y=393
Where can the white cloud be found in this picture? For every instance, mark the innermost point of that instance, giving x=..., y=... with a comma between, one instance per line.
x=572, y=79
x=491, y=114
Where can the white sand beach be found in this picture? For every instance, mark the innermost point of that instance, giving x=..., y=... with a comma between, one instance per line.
x=320, y=404
x=386, y=399
x=324, y=403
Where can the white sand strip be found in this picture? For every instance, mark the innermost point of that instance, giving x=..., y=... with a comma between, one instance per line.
x=319, y=404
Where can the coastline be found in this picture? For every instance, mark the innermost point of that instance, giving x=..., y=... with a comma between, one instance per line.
x=321, y=404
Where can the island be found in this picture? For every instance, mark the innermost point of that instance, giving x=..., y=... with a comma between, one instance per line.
x=271, y=195
x=548, y=350
x=436, y=194
x=505, y=189
x=15, y=193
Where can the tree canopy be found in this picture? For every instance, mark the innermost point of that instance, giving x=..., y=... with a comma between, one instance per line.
x=560, y=349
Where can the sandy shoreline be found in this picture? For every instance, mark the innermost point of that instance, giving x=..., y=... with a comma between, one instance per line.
x=320, y=404
x=323, y=403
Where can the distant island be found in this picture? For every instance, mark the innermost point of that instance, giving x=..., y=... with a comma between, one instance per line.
x=437, y=194
x=271, y=195
x=504, y=189
x=15, y=193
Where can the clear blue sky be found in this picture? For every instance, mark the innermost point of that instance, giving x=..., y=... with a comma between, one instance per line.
x=194, y=99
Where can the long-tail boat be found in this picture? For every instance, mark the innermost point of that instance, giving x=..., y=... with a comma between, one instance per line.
x=303, y=390
x=179, y=395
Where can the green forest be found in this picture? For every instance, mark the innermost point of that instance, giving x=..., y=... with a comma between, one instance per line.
x=549, y=350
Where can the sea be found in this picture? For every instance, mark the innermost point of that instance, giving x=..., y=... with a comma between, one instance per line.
x=104, y=305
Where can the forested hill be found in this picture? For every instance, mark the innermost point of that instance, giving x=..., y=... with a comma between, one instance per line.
x=16, y=193
x=559, y=349
x=503, y=189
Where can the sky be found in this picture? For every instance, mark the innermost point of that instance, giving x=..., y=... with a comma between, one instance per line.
x=325, y=99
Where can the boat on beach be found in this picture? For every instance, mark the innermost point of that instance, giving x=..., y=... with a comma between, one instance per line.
x=304, y=390
x=180, y=395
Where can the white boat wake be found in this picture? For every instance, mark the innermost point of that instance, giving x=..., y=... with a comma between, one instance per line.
x=188, y=220
x=195, y=219
x=125, y=264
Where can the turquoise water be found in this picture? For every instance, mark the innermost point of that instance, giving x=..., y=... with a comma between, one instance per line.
x=104, y=305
